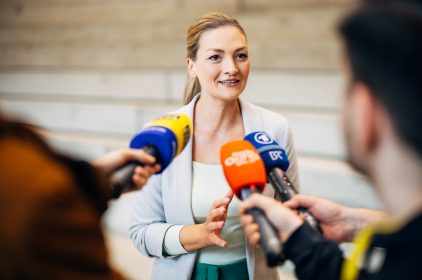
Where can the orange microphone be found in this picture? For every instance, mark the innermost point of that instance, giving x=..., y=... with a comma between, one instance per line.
x=245, y=173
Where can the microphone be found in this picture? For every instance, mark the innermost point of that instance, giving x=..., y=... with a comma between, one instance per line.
x=276, y=163
x=163, y=138
x=245, y=173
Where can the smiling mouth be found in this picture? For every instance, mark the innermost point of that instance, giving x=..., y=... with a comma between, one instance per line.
x=230, y=82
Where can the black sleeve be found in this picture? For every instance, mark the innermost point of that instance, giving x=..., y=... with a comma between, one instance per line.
x=314, y=257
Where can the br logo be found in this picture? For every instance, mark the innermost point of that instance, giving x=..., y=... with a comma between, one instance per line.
x=275, y=155
x=262, y=138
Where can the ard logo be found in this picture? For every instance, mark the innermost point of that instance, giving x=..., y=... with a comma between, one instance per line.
x=262, y=138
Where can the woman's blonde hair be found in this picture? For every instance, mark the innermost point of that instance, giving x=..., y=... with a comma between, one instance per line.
x=204, y=23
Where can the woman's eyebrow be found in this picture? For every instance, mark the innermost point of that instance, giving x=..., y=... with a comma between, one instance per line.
x=222, y=51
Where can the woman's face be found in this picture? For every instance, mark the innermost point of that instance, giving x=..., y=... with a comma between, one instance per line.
x=222, y=63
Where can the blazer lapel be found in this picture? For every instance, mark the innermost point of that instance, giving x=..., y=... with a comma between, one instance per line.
x=252, y=121
x=180, y=179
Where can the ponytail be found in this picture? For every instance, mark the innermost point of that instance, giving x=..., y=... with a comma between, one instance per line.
x=192, y=88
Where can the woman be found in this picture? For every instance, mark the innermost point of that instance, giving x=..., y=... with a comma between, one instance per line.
x=183, y=216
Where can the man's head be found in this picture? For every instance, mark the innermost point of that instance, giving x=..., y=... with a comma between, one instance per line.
x=383, y=55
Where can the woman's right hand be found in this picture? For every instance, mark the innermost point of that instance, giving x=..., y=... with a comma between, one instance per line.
x=211, y=229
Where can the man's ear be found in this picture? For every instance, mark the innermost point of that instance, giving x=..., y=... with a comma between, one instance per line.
x=367, y=117
x=191, y=67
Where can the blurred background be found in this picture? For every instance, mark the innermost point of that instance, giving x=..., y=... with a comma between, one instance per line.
x=90, y=73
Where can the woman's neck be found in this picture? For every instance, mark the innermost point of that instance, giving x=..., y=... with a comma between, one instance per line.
x=216, y=122
x=215, y=116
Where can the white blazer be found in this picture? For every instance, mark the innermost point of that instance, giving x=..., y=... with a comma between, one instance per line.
x=166, y=200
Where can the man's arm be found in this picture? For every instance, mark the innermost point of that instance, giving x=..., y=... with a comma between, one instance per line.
x=313, y=256
x=339, y=223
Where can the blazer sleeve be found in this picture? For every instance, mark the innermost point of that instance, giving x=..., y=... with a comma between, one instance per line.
x=293, y=171
x=148, y=225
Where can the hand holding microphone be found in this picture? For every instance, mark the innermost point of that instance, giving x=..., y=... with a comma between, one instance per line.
x=109, y=162
x=245, y=173
x=163, y=139
x=276, y=164
x=284, y=219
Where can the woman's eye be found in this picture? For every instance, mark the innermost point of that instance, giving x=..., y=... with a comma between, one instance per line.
x=215, y=57
x=241, y=56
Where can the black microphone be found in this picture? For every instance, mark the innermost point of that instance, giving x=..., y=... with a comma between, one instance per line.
x=245, y=174
x=276, y=163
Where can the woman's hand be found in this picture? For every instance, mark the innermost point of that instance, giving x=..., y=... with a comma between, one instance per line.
x=198, y=236
x=215, y=221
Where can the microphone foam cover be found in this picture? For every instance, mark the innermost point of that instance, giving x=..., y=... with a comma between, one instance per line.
x=271, y=152
x=169, y=134
x=242, y=166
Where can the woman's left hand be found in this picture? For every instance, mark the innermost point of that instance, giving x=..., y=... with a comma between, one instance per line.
x=215, y=221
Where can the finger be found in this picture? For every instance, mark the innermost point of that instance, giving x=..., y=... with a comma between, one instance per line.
x=229, y=195
x=217, y=214
x=143, y=171
x=156, y=167
x=220, y=202
x=258, y=200
x=214, y=226
x=300, y=201
x=147, y=170
x=245, y=220
x=254, y=239
x=139, y=181
x=139, y=155
x=251, y=229
x=214, y=238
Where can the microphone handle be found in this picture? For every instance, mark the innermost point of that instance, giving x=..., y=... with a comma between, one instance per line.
x=270, y=239
x=285, y=190
x=121, y=179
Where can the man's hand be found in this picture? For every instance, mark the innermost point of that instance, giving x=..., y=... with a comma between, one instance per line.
x=285, y=220
x=337, y=222
x=111, y=161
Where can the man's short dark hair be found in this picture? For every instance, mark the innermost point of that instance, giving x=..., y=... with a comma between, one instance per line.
x=383, y=43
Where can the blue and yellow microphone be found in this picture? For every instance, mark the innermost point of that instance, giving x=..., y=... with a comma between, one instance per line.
x=163, y=138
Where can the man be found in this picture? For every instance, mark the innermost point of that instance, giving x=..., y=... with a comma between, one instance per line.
x=51, y=205
x=382, y=114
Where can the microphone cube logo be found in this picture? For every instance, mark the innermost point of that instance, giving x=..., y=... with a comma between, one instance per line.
x=276, y=155
x=262, y=138
x=241, y=158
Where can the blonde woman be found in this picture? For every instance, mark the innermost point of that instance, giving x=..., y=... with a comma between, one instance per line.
x=182, y=217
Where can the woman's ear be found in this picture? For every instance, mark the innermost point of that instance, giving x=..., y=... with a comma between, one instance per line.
x=191, y=67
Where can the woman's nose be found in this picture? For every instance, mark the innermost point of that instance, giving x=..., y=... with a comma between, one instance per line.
x=230, y=66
